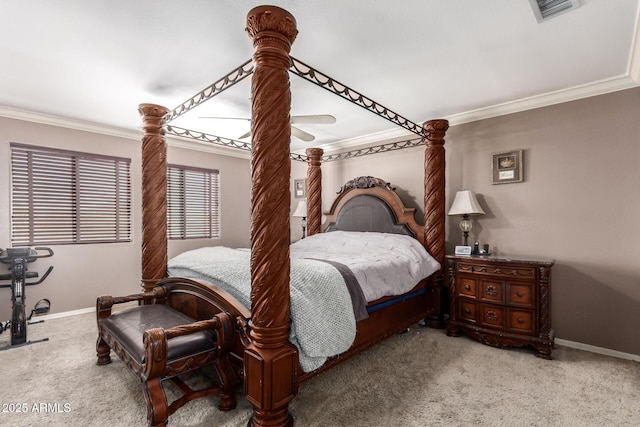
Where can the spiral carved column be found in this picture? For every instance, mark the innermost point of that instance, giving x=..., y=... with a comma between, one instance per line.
x=434, y=192
x=154, y=195
x=270, y=360
x=434, y=208
x=314, y=190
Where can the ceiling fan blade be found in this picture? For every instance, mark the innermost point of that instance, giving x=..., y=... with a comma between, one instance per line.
x=314, y=118
x=299, y=133
x=246, y=135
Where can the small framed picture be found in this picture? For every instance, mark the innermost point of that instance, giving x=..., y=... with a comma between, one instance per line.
x=300, y=188
x=507, y=167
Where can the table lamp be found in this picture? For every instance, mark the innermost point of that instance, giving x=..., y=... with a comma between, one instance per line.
x=301, y=212
x=465, y=204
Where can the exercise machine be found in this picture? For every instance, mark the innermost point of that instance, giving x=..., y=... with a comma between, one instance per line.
x=18, y=259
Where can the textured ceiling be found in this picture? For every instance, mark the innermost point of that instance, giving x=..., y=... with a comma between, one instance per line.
x=95, y=61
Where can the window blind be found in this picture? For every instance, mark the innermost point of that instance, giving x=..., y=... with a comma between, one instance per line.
x=67, y=197
x=193, y=205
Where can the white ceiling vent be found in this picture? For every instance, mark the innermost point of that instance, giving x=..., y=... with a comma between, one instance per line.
x=546, y=9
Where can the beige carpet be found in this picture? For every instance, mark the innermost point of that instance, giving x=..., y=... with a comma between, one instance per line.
x=421, y=378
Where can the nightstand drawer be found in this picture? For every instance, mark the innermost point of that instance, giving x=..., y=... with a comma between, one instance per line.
x=467, y=287
x=521, y=321
x=468, y=311
x=492, y=316
x=519, y=272
x=491, y=291
x=520, y=294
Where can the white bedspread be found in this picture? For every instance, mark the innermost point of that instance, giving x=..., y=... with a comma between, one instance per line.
x=322, y=318
x=384, y=264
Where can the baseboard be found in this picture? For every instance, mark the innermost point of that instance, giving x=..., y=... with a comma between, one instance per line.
x=599, y=350
x=65, y=314
x=82, y=311
x=559, y=341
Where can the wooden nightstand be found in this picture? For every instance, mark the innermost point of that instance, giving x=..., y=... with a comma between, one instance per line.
x=501, y=301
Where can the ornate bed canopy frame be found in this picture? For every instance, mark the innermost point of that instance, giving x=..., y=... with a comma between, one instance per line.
x=270, y=360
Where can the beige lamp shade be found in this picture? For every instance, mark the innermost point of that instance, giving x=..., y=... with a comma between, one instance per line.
x=301, y=209
x=465, y=203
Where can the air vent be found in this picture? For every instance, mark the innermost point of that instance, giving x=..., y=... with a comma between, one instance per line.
x=546, y=9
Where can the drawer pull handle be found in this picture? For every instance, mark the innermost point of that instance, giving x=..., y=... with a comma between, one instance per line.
x=520, y=294
x=492, y=315
x=492, y=290
x=467, y=287
x=467, y=311
x=520, y=320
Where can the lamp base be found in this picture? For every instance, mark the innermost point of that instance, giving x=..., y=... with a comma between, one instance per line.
x=465, y=226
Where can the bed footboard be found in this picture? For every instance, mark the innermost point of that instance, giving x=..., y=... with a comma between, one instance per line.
x=387, y=321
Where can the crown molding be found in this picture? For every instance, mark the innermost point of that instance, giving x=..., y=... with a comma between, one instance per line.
x=628, y=80
x=574, y=93
x=190, y=144
x=600, y=87
x=47, y=119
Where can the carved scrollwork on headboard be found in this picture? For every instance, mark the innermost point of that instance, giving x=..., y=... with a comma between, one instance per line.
x=366, y=182
x=369, y=204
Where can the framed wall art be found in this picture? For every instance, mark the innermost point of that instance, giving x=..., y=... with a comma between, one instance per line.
x=507, y=167
x=300, y=188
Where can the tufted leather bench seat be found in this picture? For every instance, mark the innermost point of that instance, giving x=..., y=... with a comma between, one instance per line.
x=158, y=341
x=130, y=325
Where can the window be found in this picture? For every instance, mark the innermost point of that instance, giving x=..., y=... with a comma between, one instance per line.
x=193, y=204
x=66, y=197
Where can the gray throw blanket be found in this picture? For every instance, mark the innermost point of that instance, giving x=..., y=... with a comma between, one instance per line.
x=322, y=318
x=358, y=300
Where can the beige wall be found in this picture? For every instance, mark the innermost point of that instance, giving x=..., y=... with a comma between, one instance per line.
x=579, y=204
x=83, y=272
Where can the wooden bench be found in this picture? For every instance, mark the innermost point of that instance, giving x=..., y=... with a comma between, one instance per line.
x=176, y=328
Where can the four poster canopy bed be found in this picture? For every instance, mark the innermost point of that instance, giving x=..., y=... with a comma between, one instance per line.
x=368, y=272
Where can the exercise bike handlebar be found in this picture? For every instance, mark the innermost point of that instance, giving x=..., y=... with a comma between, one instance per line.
x=42, y=248
x=42, y=279
x=29, y=255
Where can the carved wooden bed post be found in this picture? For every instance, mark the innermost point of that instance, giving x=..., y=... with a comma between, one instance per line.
x=434, y=205
x=154, y=195
x=314, y=190
x=270, y=361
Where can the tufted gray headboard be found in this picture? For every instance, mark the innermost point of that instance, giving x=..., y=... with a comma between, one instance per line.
x=368, y=213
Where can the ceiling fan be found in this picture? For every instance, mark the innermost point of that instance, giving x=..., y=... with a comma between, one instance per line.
x=298, y=133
